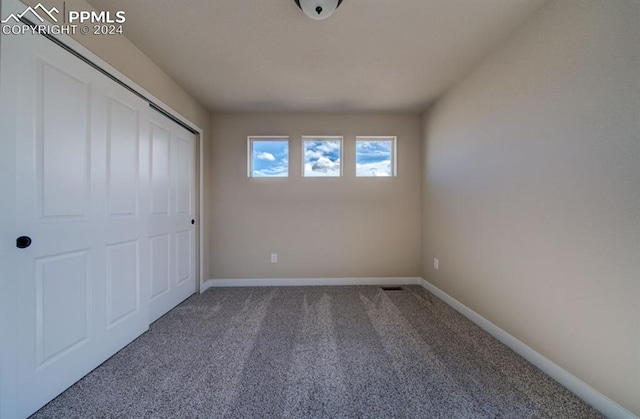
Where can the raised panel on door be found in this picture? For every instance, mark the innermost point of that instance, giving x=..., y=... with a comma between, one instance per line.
x=184, y=256
x=123, y=281
x=184, y=177
x=122, y=158
x=62, y=121
x=63, y=305
x=160, y=260
x=160, y=160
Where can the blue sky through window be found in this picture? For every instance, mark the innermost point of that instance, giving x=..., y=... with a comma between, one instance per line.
x=322, y=157
x=374, y=158
x=270, y=158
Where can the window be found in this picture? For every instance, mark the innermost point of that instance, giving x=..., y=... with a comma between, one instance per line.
x=322, y=156
x=268, y=157
x=375, y=156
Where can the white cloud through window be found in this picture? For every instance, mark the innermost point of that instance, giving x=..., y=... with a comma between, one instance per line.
x=375, y=157
x=322, y=156
x=265, y=156
x=269, y=157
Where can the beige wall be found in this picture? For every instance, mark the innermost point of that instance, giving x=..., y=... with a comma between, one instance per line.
x=531, y=191
x=320, y=227
x=125, y=57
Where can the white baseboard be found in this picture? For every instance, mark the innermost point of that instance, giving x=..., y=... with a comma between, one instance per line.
x=308, y=282
x=599, y=401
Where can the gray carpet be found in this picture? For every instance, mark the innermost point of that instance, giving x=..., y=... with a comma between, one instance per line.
x=356, y=352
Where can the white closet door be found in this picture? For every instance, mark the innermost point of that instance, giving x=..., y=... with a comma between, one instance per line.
x=80, y=290
x=172, y=240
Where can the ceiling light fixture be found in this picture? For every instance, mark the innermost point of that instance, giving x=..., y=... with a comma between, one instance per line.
x=318, y=9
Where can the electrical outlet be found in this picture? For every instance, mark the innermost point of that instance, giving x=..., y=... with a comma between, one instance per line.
x=436, y=263
x=274, y=258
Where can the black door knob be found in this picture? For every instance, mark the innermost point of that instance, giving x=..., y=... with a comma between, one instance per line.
x=23, y=242
x=193, y=221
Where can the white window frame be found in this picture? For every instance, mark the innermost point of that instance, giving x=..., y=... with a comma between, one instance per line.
x=312, y=138
x=374, y=138
x=253, y=138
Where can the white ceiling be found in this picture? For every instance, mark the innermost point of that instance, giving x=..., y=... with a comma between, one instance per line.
x=370, y=56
